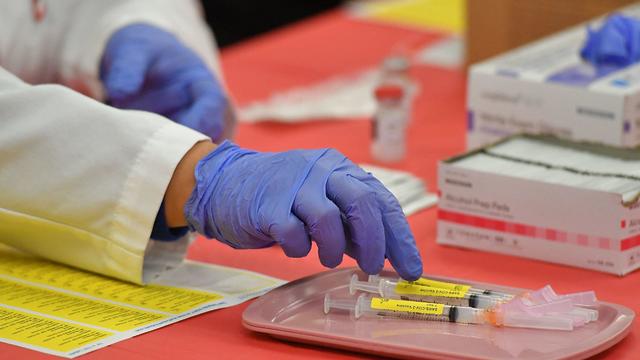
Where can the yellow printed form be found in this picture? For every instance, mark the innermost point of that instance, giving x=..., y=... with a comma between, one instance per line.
x=69, y=307
x=58, y=336
x=416, y=307
x=155, y=297
x=63, y=311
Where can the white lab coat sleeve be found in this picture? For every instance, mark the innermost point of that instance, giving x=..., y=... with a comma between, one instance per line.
x=67, y=44
x=81, y=181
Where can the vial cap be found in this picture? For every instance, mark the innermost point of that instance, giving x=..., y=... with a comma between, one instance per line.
x=389, y=92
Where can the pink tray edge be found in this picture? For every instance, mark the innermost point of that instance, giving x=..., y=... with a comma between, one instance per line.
x=323, y=339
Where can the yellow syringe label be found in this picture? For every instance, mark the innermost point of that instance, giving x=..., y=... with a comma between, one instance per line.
x=416, y=307
x=404, y=288
x=439, y=284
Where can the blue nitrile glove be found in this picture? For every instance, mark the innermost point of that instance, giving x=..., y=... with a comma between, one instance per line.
x=616, y=43
x=248, y=199
x=146, y=68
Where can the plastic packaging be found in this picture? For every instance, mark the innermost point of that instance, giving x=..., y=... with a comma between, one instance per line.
x=579, y=300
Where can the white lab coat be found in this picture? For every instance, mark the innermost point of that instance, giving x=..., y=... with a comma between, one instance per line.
x=81, y=182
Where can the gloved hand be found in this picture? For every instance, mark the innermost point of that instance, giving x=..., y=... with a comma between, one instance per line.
x=147, y=68
x=616, y=43
x=248, y=199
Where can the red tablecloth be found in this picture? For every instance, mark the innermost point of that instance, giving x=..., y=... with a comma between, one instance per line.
x=302, y=54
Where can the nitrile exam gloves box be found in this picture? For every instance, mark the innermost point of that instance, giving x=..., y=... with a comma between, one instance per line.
x=545, y=87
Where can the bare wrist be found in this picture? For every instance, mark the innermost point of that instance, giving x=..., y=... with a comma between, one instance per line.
x=183, y=182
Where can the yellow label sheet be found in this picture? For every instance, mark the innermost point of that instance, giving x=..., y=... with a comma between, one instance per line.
x=156, y=297
x=46, y=333
x=76, y=308
x=63, y=311
x=444, y=15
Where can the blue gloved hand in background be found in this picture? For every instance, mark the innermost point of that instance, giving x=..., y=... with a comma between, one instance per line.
x=615, y=44
x=146, y=68
x=248, y=199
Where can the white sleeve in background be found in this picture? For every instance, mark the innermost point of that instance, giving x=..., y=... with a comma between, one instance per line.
x=82, y=182
x=66, y=45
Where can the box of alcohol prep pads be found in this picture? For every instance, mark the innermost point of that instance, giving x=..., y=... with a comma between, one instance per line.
x=545, y=87
x=547, y=199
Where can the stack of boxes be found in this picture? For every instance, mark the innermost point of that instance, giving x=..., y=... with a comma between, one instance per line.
x=575, y=212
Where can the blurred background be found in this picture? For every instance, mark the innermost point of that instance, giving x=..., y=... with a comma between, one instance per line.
x=490, y=26
x=237, y=20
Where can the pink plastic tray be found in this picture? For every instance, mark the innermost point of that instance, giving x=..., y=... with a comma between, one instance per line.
x=294, y=312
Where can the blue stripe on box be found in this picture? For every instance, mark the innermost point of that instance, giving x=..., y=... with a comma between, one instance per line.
x=581, y=75
x=470, y=122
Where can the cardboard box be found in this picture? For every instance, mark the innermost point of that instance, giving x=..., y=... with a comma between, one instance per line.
x=545, y=87
x=496, y=26
x=540, y=219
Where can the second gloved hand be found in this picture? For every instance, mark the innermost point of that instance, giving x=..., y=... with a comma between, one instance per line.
x=248, y=199
x=147, y=68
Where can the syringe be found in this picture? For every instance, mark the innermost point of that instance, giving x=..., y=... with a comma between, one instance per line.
x=417, y=310
x=547, y=295
x=447, y=285
x=543, y=301
x=411, y=291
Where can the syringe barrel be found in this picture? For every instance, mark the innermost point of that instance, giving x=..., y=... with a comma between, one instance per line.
x=417, y=310
x=468, y=315
x=413, y=292
x=498, y=295
x=402, y=309
x=493, y=293
x=388, y=289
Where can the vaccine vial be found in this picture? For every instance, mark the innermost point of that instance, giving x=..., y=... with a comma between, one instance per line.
x=389, y=124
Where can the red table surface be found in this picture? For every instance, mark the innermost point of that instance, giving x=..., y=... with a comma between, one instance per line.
x=302, y=54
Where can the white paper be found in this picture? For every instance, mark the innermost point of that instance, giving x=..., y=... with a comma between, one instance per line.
x=448, y=52
x=345, y=96
x=541, y=161
x=410, y=190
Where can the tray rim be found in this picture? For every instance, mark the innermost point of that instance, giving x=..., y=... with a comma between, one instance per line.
x=324, y=339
